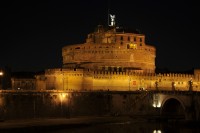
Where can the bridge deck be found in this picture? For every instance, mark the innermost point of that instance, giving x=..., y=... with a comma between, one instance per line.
x=112, y=92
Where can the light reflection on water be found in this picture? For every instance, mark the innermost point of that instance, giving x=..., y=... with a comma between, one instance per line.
x=157, y=131
x=136, y=127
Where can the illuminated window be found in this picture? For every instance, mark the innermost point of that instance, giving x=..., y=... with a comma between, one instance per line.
x=131, y=46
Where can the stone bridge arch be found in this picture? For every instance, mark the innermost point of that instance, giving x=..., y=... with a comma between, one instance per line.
x=172, y=105
x=167, y=98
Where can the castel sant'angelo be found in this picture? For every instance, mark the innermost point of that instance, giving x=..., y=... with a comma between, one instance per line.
x=113, y=59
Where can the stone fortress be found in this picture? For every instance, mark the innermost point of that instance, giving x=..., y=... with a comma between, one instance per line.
x=111, y=59
x=112, y=73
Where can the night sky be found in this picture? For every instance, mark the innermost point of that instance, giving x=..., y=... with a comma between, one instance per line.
x=34, y=32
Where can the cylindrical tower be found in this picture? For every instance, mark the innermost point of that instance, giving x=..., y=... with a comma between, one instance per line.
x=114, y=49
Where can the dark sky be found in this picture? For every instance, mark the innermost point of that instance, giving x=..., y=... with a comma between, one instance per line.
x=34, y=32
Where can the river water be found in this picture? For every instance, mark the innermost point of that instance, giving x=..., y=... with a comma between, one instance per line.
x=136, y=127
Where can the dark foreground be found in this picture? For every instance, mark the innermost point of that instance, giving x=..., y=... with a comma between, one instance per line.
x=96, y=124
x=46, y=125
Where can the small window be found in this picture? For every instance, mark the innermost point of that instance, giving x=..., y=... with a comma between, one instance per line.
x=128, y=38
x=135, y=39
x=77, y=48
x=128, y=46
x=121, y=38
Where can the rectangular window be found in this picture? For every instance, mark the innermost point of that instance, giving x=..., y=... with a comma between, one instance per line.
x=135, y=39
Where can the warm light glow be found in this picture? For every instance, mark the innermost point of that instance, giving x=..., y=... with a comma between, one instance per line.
x=63, y=96
x=156, y=101
x=156, y=104
x=133, y=46
x=1, y=73
x=157, y=131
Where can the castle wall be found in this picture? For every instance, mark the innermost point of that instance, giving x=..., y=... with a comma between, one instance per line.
x=82, y=80
x=23, y=84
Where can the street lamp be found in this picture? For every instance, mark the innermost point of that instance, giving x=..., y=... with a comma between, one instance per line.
x=1, y=73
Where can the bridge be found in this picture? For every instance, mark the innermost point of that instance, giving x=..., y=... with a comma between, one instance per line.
x=177, y=104
x=184, y=105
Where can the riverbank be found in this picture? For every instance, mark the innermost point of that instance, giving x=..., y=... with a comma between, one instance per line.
x=45, y=125
x=51, y=125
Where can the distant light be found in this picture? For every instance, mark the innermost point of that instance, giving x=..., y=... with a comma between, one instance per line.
x=157, y=131
x=63, y=96
x=156, y=104
x=18, y=88
x=1, y=73
x=174, y=84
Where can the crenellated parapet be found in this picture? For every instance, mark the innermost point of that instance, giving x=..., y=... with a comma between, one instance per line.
x=81, y=79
